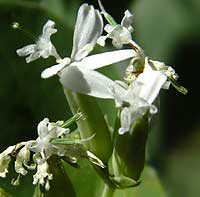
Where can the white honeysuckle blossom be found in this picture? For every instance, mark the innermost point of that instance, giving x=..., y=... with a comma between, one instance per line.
x=134, y=100
x=43, y=47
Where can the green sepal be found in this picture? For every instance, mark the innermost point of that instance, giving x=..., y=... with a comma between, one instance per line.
x=127, y=161
x=73, y=119
x=64, y=141
x=177, y=86
x=107, y=16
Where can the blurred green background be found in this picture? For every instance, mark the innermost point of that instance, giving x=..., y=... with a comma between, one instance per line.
x=168, y=30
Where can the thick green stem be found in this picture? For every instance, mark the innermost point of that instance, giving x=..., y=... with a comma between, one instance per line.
x=94, y=123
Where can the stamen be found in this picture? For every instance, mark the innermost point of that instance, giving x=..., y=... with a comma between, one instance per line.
x=16, y=25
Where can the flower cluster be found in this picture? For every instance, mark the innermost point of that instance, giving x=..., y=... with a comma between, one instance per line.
x=134, y=96
x=34, y=154
x=144, y=77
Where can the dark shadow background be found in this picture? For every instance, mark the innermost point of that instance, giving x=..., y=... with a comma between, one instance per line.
x=168, y=31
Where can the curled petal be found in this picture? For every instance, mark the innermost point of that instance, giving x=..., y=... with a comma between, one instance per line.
x=26, y=50
x=88, y=28
x=43, y=128
x=22, y=160
x=127, y=20
x=103, y=59
x=48, y=29
x=5, y=160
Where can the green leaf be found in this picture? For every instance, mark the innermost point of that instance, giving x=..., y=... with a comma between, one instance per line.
x=3, y=193
x=87, y=182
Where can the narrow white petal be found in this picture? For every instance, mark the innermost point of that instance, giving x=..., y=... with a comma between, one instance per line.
x=88, y=28
x=42, y=127
x=104, y=59
x=148, y=85
x=109, y=28
x=86, y=81
x=126, y=121
x=26, y=50
x=102, y=40
x=48, y=29
x=53, y=70
x=127, y=20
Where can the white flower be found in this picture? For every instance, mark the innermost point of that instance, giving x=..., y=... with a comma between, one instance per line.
x=88, y=28
x=138, y=98
x=120, y=34
x=43, y=176
x=46, y=132
x=43, y=47
x=134, y=100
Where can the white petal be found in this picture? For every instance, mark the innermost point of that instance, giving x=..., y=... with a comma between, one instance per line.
x=43, y=128
x=86, y=81
x=104, y=59
x=88, y=28
x=126, y=121
x=26, y=50
x=48, y=29
x=127, y=20
x=148, y=85
x=53, y=70
x=109, y=28
x=102, y=40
